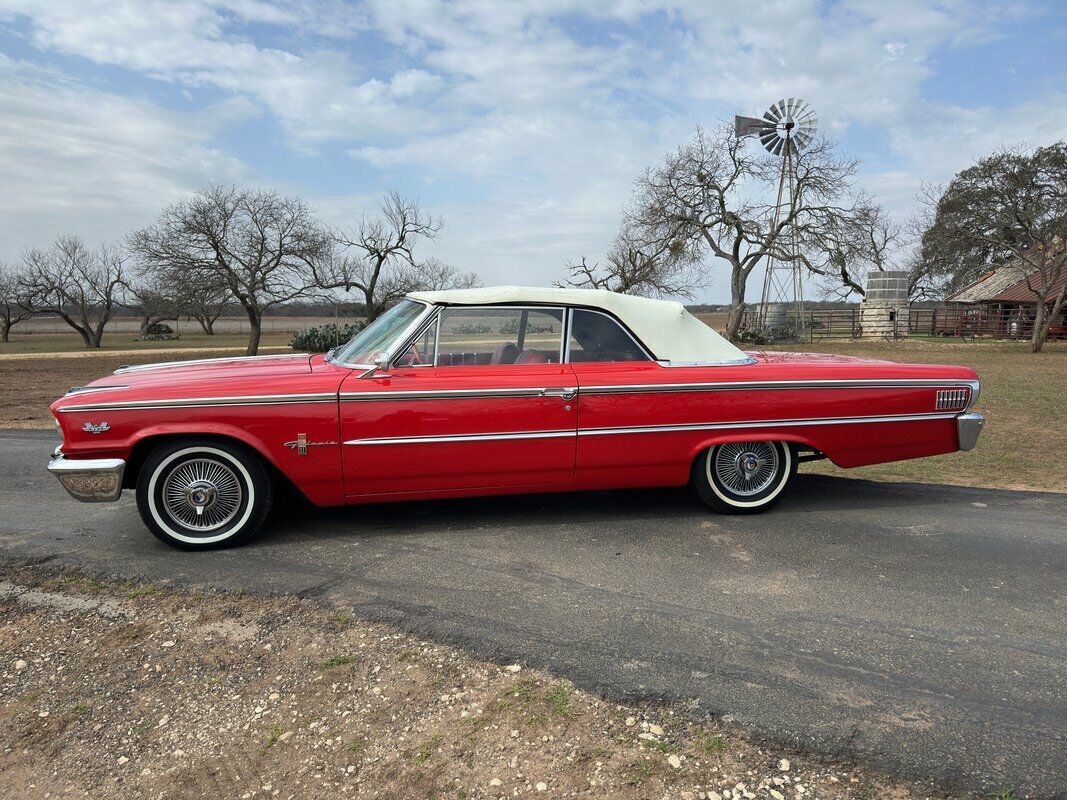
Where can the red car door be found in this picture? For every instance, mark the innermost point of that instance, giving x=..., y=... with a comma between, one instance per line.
x=480, y=401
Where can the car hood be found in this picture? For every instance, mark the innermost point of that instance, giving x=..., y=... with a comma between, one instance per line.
x=209, y=376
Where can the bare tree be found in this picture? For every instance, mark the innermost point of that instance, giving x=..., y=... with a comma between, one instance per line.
x=718, y=193
x=262, y=247
x=153, y=300
x=378, y=258
x=1010, y=211
x=852, y=242
x=651, y=267
x=433, y=275
x=14, y=307
x=79, y=285
x=206, y=304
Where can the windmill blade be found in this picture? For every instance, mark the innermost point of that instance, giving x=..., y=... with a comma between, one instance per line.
x=747, y=126
x=778, y=147
x=790, y=105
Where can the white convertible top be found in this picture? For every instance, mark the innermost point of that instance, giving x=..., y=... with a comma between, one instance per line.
x=663, y=326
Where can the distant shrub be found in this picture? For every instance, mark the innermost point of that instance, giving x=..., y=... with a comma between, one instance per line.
x=752, y=337
x=324, y=337
x=512, y=326
x=159, y=332
x=471, y=329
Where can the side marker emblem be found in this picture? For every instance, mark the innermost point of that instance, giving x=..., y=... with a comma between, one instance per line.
x=103, y=427
x=301, y=444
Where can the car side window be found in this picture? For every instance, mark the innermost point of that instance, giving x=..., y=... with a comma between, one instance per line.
x=491, y=336
x=597, y=337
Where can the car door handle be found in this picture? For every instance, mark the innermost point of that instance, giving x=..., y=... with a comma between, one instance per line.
x=566, y=392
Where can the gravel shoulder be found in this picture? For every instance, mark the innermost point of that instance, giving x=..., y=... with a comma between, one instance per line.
x=116, y=690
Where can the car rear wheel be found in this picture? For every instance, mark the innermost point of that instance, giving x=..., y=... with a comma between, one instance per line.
x=743, y=477
x=203, y=494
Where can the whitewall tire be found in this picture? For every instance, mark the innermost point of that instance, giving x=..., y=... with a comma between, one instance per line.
x=200, y=494
x=743, y=477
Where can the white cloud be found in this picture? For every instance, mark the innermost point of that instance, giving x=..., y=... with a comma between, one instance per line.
x=539, y=114
x=74, y=159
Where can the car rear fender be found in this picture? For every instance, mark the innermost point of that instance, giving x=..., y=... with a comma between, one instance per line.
x=724, y=437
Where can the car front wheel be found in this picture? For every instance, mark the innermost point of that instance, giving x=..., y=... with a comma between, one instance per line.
x=203, y=494
x=743, y=477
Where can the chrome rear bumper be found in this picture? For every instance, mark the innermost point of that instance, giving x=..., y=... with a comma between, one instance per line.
x=968, y=426
x=91, y=480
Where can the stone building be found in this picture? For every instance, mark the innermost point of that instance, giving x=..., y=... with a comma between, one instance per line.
x=884, y=310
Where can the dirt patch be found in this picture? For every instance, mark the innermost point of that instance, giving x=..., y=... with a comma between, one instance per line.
x=28, y=386
x=188, y=696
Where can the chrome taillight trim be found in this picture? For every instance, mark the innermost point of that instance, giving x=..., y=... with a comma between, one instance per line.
x=952, y=399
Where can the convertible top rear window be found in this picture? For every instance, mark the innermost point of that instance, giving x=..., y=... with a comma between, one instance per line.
x=597, y=337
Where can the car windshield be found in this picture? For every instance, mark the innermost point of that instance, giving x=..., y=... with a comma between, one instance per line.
x=380, y=335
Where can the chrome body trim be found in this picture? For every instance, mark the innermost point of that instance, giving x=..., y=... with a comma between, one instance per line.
x=699, y=426
x=469, y=437
x=968, y=428
x=88, y=389
x=203, y=402
x=442, y=394
x=539, y=391
x=728, y=386
x=90, y=480
x=770, y=423
x=195, y=361
x=737, y=362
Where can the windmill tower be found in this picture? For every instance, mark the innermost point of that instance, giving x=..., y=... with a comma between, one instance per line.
x=786, y=128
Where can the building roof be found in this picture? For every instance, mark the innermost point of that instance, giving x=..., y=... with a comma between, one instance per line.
x=1007, y=283
x=987, y=287
x=1020, y=292
x=669, y=331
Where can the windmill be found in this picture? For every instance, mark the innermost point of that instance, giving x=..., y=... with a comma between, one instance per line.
x=786, y=128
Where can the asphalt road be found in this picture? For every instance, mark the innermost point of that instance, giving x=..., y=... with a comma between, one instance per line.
x=921, y=629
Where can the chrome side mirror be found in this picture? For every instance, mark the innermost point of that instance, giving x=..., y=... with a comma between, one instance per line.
x=380, y=368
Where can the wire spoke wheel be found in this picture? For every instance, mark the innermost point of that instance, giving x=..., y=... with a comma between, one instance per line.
x=746, y=468
x=202, y=494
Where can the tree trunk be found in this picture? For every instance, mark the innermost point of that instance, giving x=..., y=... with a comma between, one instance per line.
x=737, y=307
x=5, y=334
x=87, y=337
x=255, y=323
x=207, y=324
x=1041, y=326
x=372, y=308
x=146, y=323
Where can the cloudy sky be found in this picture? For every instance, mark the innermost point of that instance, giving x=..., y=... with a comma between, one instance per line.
x=522, y=124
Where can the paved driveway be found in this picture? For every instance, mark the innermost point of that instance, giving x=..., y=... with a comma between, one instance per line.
x=919, y=628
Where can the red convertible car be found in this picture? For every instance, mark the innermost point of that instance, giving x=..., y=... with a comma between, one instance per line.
x=494, y=391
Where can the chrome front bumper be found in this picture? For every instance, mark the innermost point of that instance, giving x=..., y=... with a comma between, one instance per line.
x=91, y=480
x=968, y=426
